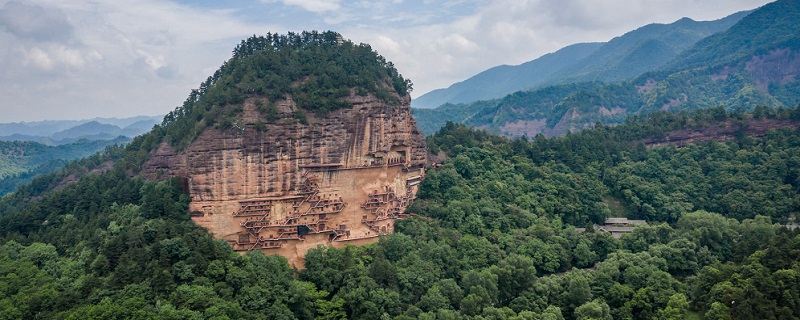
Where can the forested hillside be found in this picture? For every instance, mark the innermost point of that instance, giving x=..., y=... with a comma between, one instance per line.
x=20, y=161
x=317, y=70
x=755, y=62
x=496, y=237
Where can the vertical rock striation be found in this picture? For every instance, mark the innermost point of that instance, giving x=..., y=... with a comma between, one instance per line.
x=285, y=187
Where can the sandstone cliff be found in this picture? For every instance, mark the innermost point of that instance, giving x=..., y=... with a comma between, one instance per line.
x=723, y=131
x=286, y=187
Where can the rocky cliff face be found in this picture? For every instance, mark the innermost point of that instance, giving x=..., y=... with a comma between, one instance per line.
x=724, y=131
x=285, y=187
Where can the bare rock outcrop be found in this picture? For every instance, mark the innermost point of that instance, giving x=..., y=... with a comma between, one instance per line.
x=286, y=187
x=724, y=131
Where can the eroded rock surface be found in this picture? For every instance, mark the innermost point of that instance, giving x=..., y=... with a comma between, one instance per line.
x=724, y=131
x=286, y=187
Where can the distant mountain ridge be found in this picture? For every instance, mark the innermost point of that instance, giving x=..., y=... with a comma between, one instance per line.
x=59, y=132
x=624, y=57
x=21, y=161
x=754, y=63
x=644, y=49
x=501, y=80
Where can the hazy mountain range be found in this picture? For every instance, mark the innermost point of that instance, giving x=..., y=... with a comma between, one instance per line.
x=622, y=58
x=58, y=132
x=753, y=62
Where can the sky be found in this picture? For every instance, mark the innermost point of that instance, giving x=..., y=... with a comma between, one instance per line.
x=74, y=60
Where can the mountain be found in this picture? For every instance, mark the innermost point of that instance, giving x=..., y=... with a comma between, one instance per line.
x=49, y=127
x=298, y=140
x=498, y=233
x=21, y=161
x=37, y=128
x=755, y=62
x=58, y=132
x=92, y=128
x=138, y=127
x=645, y=49
x=433, y=119
x=624, y=57
x=125, y=122
x=22, y=137
x=501, y=80
x=270, y=154
x=771, y=27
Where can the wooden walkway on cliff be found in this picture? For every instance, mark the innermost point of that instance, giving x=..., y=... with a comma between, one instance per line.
x=264, y=232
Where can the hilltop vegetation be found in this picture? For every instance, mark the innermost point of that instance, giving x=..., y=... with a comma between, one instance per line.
x=496, y=239
x=499, y=240
x=315, y=70
x=773, y=26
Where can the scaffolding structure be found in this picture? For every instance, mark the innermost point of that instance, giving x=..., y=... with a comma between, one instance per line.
x=271, y=223
x=308, y=214
x=384, y=205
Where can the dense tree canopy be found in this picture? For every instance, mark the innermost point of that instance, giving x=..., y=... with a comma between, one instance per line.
x=497, y=238
x=20, y=161
x=315, y=69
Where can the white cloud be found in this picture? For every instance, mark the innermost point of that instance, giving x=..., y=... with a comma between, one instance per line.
x=123, y=58
x=118, y=58
x=58, y=56
x=152, y=61
x=72, y=57
x=318, y=6
x=388, y=44
x=460, y=43
x=516, y=31
x=39, y=58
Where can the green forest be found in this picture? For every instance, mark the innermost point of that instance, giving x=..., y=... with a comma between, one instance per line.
x=21, y=161
x=315, y=69
x=495, y=238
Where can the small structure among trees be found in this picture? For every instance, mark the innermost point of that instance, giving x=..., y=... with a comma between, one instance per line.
x=616, y=226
